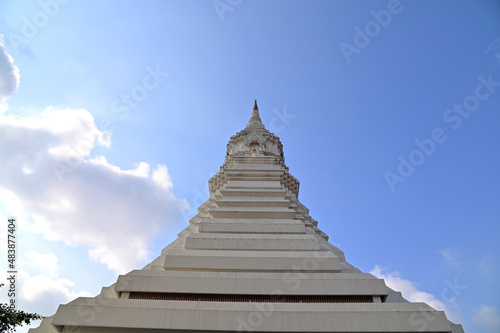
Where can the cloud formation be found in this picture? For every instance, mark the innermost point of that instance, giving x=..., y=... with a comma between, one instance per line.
x=9, y=74
x=450, y=255
x=42, y=289
x=410, y=291
x=41, y=286
x=408, y=288
x=487, y=318
x=50, y=183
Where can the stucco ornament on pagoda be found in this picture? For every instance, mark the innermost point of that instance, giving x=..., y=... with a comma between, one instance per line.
x=255, y=140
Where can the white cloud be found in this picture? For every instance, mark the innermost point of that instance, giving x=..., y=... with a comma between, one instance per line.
x=54, y=188
x=71, y=133
x=408, y=288
x=141, y=169
x=44, y=291
x=487, y=318
x=162, y=178
x=39, y=292
x=410, y=291
x=3, y=108
x=47, y=263
x=10, y=203
x=450, y=256
x=9, y=74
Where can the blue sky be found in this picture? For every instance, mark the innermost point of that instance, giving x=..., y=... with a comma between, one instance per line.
x=115, y=114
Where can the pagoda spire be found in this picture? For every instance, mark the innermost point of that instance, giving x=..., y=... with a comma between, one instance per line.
x=255, y=120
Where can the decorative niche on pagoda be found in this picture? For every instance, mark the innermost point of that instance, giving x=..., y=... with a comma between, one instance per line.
x=251, y=246
x=255, y=140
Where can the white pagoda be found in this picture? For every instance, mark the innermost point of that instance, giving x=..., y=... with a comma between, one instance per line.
x=252, y=259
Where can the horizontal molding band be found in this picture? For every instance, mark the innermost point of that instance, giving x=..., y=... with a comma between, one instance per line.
x=252, y=298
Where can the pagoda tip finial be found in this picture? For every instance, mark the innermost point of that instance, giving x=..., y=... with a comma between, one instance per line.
x=255, y=121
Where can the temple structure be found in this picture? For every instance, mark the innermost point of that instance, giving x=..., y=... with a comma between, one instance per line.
x=252, y=259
